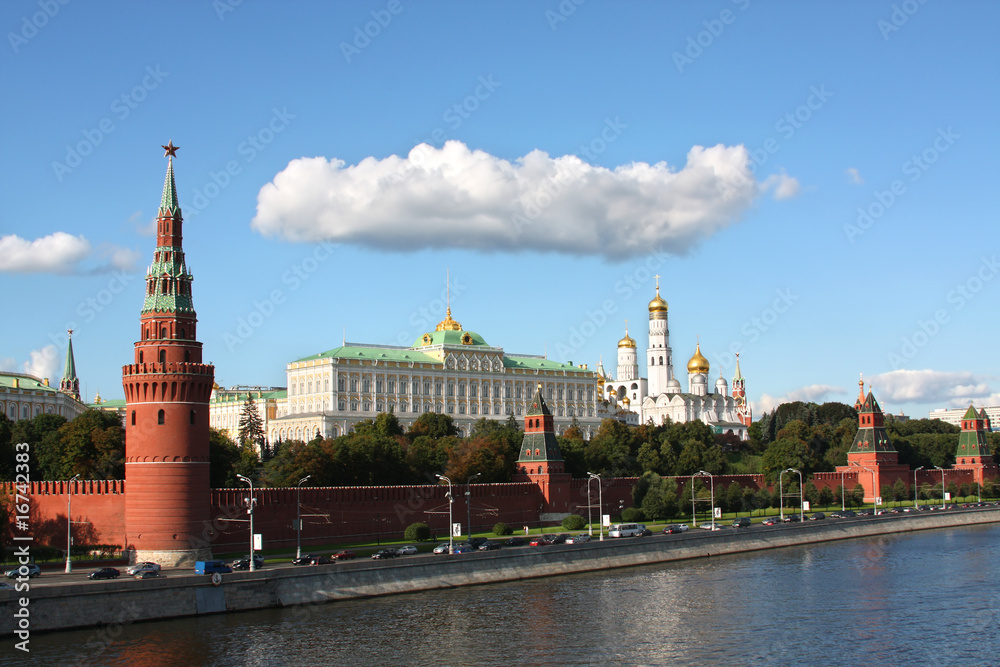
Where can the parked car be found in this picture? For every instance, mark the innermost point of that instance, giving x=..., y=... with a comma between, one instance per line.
x=645, y=532
x=489, y=546
x=674, y=528
x=712, y=526
x=771, y=521
x=304, y=560
x=817, y=516
x=322, y=560
x=515, y=542
x=244, y=563
x=441, y=548
x=104, y=573
x=476, y=542
x=32, y=571
x=539, y=541
x=142, y=567
x=408, y=550
x=147, y=574
x=345, y=555
x=462, y=549
x=382, y=554
x=211, y=567
x=578, y=539
x=791, y=518
x=741, y=522
x=561, y=538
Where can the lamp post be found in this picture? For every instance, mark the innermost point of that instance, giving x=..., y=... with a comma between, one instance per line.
x=600, y=503
x=711, y=481
x=694, y=515
x=802, y=515
x=250, y=503
x=468, y=500
x=69, y=525
x=843, y=493
x=298, y=518
x=781, y=496
x=916, y=504
x=942, y=486
x=451, y=501
x=590, y=507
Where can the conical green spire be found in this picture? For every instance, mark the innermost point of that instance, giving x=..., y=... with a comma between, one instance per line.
x=70, y=371
x=168, y=202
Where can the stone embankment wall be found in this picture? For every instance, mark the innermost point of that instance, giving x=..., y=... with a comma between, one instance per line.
x=126, y=601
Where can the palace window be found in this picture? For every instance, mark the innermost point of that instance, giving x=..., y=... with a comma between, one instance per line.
x=354, y=406
x=368, y=406
x=518, y=411
x=560, y=392
x=341, y=385
x=461, y=408
x=461, y=389
x=354, y=384
x=451, y=389
x=366, y=385
x=341, y=405
x=378, y=386
x=392, y=386
x=437, y=389
x=550, y=392
x=517, y=392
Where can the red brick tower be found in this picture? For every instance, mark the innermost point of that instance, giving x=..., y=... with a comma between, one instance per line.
x=167, y=387
x=540, y=460
x=973, y=451
x=872, y=455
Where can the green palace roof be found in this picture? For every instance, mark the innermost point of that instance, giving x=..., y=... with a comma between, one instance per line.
x=374, y=353
x=25, y=382
x=456, y=338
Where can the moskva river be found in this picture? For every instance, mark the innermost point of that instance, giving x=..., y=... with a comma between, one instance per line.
x=930, y=598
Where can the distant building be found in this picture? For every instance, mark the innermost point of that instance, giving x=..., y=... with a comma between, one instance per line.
x=955, y=415
x=226, y=406
x=24, y=396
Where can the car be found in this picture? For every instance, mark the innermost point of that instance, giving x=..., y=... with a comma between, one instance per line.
x=847, y=514
x=344, y=555
x=792, y=518
x=244, y=563
x=515, y=542
x=817, y=516
x=104, y=573
x=304, y=560
x=211, y=567
x=741, y=522
x=463, y=549
x=441, y=548
x=578, y=539
x=561, y=538
x=539, y=541
x=408, y=550
x=489, y=546
x=142, y=567
x=771, y=521
x=712, y=526
x=645, y=532
x=322, y=560
x=147, y=574
x=674, y=528
x=476, y=542
x=382, y=554
x=31, y=570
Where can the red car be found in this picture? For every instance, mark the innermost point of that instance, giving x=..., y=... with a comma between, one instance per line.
x=344, y=555
x=539, y=541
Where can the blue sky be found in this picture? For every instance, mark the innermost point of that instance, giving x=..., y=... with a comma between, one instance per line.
x=813, y=182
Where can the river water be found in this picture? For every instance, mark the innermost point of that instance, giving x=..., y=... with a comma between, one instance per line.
x=928, y=598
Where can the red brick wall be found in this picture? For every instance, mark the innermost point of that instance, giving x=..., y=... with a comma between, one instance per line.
x=99, y=505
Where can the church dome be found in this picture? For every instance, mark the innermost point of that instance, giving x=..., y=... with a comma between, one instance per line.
x=673, y=386
x=626, y=401
x=627, y=341
x=657, y=305
x=698, y=363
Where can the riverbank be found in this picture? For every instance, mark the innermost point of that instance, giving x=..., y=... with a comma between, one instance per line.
x=128, y=600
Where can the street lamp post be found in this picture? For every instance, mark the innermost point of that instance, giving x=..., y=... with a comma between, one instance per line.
x=600, y=503
x=916, y=503
x=781, y=496
x=802, y=515
x=694, y=515
x=250, y=503
x=590, y=507
x=942, y=486
x=711, y=481
x=468, y=500
x=69, y=525
x=451, y=501
x=843, y=493
x=298, y=518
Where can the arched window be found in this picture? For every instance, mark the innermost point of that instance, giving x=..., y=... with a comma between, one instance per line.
x=187, y=355
x=661, y=361
x=163, y=356
x=182, y=333
x=133, y=418
x=140, y=356
x=192, y=417
x=159, y=417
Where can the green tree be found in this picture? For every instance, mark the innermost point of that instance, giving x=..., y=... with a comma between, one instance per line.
x=811, y=493
x=610, y=451
x=433, y=425
x=223, y=455
x=251, y=428
x=734, y=497
x=92, y=445
x=785, y=453
x=42, y=436
x=899, y=490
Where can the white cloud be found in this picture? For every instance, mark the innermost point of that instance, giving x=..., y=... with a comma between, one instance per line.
x=147, y=228
x=854, y=175
x=116, y=257
x=456, y=197
x=44, y=363
x=784, y=186
x=955, y=388
x=56, y=253
x=815, y=393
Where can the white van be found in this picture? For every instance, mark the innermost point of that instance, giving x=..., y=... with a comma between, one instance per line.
x=625, y=530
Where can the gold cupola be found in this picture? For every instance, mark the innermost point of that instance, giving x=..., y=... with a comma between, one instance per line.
x=448, y=324
x=698, y=363
x=627, y=341
x=657, y=307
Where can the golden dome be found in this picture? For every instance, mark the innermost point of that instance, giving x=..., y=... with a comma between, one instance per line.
x=448, y=324
x=626, y=401
x=657, y=305
x=698, y=363
x=612, y=392
x=627, y=341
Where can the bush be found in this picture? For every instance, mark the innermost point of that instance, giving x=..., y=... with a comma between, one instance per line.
x=632, y=514
x=501, y=529
x=417, y=532
x=574, y=522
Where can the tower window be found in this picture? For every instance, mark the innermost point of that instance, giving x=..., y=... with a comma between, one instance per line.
x=187, y=355
x=159, y=417
x=163, y=356
x=140, y=356
x=133, y=418
x=192, y=417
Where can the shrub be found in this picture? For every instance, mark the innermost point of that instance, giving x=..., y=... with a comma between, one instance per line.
x=632, y=514
x=574, y=522
x=501, y=529
x=417, y=532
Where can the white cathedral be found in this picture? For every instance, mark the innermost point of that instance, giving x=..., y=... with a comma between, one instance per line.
x=660, y=396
